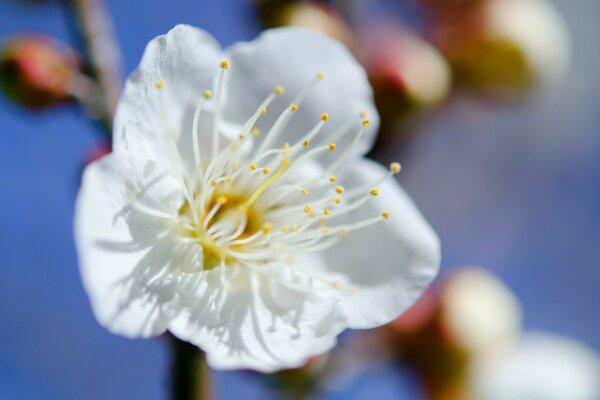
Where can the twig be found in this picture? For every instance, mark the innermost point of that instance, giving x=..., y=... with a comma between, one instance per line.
x=93, y=31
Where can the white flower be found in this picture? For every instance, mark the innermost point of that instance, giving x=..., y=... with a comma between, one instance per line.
x=541, y=367
x=224, y=214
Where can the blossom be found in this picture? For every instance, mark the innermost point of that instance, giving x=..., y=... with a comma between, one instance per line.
x=236, y=210
x=541, y=366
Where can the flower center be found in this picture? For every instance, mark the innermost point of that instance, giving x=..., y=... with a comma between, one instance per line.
x=259, y=206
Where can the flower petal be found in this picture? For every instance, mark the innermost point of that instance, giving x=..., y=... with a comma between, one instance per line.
x=186, y=61
x=121, y=250
x=292, y=57
x=259, y=318
x=390, y=264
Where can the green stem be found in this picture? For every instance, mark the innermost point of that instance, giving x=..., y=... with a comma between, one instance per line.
x=190, y=375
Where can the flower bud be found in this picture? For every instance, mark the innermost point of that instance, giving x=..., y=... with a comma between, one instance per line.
x=316, y=17
x=470, y=314
x=407, y=73
x=505, y=47
x=36, y=71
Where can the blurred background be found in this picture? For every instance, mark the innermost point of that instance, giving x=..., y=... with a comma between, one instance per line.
x=491, y=106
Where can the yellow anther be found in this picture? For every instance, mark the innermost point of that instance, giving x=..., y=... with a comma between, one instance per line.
x=286, y=146
x=214, y=183
x=327, y=211
x=366, y=122
x=395, y=167
x=285, y=229
x=324, y=117
x=222, y=200
x=332, y=179
x=263, y=111
x=255, y=132
x=252, y=167
x=320, y=75
x=266, y=171
x=363, y=114
x=295, y=228
x=339, y=189
x=267, y=228
x=293, y=107
x=279, y=90
x=229, y=178
x=241, y=136
x=337, y=200
x=224, y=64
x=331, y=146
x=160, y=84
x=207, y=94
x=307, y=210
x=304, y=191
x=325, y=229
x=385, y=215
x=305, y=143
x=374, y=192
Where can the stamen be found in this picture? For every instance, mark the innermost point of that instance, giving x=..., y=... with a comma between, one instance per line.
x=217, y=121
x=285, y=163
x=394, y=169
x=210, y=215
x=197, y=157
x=349, y=150
x=276, y=128
x=261, y=110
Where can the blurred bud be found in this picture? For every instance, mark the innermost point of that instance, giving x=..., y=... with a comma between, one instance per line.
x=36, y=71
x=446, y=5
x=408, y=75
x=540, y=366
x=469, y=314
x=316, y=17
x=505, y=47
x=479, y=312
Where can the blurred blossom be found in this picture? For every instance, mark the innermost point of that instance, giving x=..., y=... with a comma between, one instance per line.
x=470, y=313
x=505, y=46
x=260, y=248
x=407, y=73
x=541, y=366
x=317, y=17
x=36, y=71
x=479, y=312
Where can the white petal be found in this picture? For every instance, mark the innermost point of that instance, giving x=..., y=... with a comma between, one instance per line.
x=390, y=263
x=542, y=366
x=187, y=60
x=259, y=319
x=292, y=57
x=122, y=250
